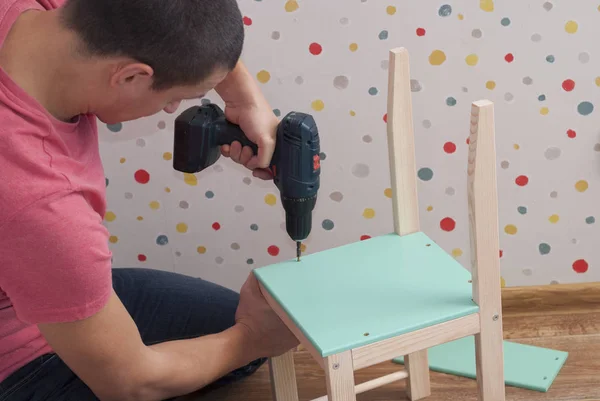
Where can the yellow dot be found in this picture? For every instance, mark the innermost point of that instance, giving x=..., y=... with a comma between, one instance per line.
x=388, y=192
x=472, y=59
x=457, y=252
x=368, y=213
x=113, y=239
x=291, y=6
x=352, y=113
x=581, y=185
x=510, y=229
x=502, y=282
x=544, y=111
x=302, y=248
x=486, y=5
x=110, y=216
x=429, y=208
x=201, y=250
x=461, y=17
x=167, y=189
x=122, y=160
x=182, y=228
x=263, y=76
x=597, y=81
x=598, y=8
x=140, y=218
x=516, y=146
x=490, y=85
x=154, y=205
x=190, y=179
x=270, y=199
x=353, y=47
x=167, y=155
x=553, y=219
x=437, y=57
x=571, y=27
x=391, y=10
x=318, y=105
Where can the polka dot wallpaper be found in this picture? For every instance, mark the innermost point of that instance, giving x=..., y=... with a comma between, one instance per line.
x=535, y=59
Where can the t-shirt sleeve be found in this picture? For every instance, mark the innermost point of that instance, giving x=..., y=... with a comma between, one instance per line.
x=55, y=264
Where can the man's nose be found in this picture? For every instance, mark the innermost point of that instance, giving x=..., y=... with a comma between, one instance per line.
x=172, y=107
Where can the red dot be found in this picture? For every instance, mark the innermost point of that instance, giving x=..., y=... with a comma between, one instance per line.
x=216, y=226
x=420, y=32
x=580, y=266
x=142, y=176
x=385, y=118
x=568, y=85
x=571, y=133
x=315, y=48
x=449, y=147
x=522, y=180
x=142, y=258
x=273, y=250
x=468, y=141
x=447, y=224
x=501, y=253
x=247, y=21
x=364, y=237
x=509, y=58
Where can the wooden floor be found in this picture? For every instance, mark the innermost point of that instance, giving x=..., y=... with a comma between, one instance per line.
x=562, y=317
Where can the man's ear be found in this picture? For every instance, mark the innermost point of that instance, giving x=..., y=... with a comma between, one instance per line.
x=132, y=73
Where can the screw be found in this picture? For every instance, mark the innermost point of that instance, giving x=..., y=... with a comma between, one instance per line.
x=495, y=317
x=470, y=281
x=336, y=366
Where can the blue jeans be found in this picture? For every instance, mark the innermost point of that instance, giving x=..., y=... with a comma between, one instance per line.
x=165, y=306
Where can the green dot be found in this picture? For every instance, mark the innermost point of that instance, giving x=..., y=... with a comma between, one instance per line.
x=544, y=248
x=505, y=21
x=450, y=101
x=590, y=220
x=585, y=108
x=115, y=127
x=522, y=209
x=425, y=174
x=550, y=58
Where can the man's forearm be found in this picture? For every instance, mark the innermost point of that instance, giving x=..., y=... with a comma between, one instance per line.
x=240, y=87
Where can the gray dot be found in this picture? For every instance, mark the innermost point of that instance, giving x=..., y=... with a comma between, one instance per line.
x=465, y=89
x=254, y=227
x=235, y=246
x=344, y=21
x=219, y=260
x=426, y=124
x=554, y=282
x=476, y=33
x=299, y=80
x=327, y=224
x=584, y=57
x=250, y=261
x=247, y=180
x=184, y=205
x=128, y=195
x=360, y=170
x=536, y=37
x=574, y=241
x=509, y=97
x=547, y=6
x=218, y=168
x=450, y=191
x=239, y=208
x=140, y=142
x=527, y=80
x=597, y=147
x=275, y=35
x=341, y=82
x=204, y=102
x=336, y=196
x=527, y=272
x=322, y=156
x=385, y=64
x=162, y=240
x=552, y=153
x=177, y=253
x=415, y=86
x=554, y=194
x=504, y=164
x=367, y=139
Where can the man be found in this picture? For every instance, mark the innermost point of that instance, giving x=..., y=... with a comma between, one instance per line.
x=71, y=327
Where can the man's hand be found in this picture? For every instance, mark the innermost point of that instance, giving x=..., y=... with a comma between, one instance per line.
x=268, y=334
x=246, y=106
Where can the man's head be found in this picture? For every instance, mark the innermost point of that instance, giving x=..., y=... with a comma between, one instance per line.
x=154, y=53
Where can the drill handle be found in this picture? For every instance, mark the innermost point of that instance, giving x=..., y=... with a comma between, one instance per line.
x=229, y=133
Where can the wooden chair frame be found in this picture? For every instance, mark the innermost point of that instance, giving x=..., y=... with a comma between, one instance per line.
x=486, y=325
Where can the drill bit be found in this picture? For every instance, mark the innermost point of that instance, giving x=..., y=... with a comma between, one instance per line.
x=298, y=249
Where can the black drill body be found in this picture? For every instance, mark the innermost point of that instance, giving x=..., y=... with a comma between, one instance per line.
x=200, y=131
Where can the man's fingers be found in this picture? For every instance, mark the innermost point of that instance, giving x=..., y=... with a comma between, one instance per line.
x=263, y=174
x=225, y=150
x=235, y=151
x=266, y=147
x=246, y=155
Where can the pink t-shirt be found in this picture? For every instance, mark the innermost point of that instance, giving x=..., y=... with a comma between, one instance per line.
x=55, y=264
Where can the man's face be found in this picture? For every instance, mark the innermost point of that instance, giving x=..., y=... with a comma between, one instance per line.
x=136, y=99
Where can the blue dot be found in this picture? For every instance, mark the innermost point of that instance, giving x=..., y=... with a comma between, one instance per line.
x=590, y=220
x=505, y=21
x=425, y=174
x=541, y=98
x=205, y=101
x=209, y=194
x=445, y=10
x=277, y=112
x=522, y=209
x=383, y=35
x=106, y=180
x=250, y=261
x=254, y=227
x=373, y=91
x=450, y=101
x=550, y=58
x=115, y=127
x=327, y=224
x=544, y=248
x=162, y=240
x=585, y=108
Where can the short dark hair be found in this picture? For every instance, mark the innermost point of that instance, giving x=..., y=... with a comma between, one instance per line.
x=184, y=41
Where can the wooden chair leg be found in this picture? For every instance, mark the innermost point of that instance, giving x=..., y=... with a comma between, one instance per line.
x=418, y=384
x=490, y=374
x=339, y=373
x=283, y=377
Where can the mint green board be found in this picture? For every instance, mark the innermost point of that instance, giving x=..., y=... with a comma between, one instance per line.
x=371, y=290
x=525, y=366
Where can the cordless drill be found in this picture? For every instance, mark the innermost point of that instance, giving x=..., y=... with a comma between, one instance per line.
x=200, y=131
